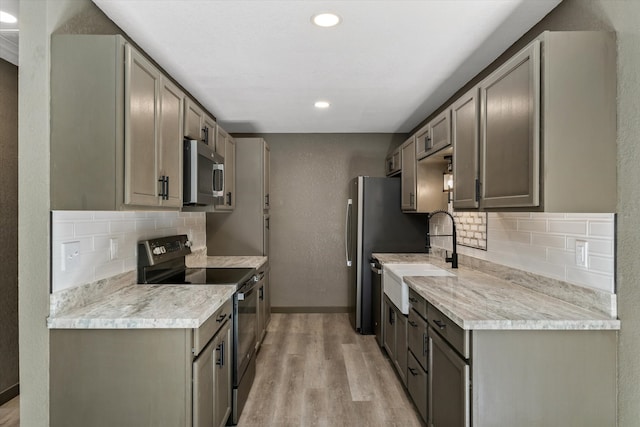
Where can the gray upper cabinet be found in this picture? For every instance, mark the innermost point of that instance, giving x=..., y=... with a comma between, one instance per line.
x=116, y=127
x=423, y=141
x=434, y=136
x=193, y=121
x=510, y=123
x=408, y=180
x=548, y=128
x=225, y=140
x=465, y=133
x=170, y=151
x=266, y=172
x=393, y=163
x=142, y=85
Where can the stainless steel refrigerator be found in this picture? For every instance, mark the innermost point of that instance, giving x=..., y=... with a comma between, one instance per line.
x=375, y=223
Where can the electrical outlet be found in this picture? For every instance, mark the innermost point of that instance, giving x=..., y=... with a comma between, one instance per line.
x=70, y=256
x=114, y=247
x=582, y=253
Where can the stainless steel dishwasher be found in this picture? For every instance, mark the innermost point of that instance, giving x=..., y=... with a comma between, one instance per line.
x=376, y=299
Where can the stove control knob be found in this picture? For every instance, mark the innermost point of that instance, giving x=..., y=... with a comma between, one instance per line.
x=159, y=250
x=188, y=243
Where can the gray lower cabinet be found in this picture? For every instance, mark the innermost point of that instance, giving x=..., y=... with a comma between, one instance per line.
x=142, y=377
x=264, y=305
x=395, y=337
x=525, y=378
x=117, y=122
x=417, y=381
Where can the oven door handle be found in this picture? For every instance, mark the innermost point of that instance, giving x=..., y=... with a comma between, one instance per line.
x=244, y=295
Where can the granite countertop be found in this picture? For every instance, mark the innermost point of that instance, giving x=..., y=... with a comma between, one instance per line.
x=119, y=303
x=147, y=306
x=477, y=300
x=235, y=261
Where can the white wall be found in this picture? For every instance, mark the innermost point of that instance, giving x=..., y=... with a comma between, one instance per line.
x=94, y=230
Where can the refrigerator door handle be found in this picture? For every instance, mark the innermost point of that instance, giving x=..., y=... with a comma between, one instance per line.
x=347, y=237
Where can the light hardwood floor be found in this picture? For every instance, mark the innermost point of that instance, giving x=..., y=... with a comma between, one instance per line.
x=314, y=370
x=10, y=413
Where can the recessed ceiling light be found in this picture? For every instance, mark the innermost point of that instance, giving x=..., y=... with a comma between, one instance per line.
x=321, y=104
x=326, y=19
x=7, y=18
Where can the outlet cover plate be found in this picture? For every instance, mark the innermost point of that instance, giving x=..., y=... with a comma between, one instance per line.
x=70, y=256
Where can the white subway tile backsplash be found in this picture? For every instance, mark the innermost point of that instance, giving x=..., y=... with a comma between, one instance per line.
x=601, y=229
x=548, y=240
x=568, y=227
x=94, y=229
x=91, y=228
x=544, y=244
x=532, y=225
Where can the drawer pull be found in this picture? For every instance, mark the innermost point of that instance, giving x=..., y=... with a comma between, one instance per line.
x=413, y=372
x=221, y=318
x=412, y=299
x=440, y=324
x=412, y=323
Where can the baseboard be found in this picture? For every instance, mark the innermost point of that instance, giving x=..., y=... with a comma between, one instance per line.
x=9, y=394
x=309, y=309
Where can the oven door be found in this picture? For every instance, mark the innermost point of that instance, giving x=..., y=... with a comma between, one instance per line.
x=203, y=174
x=246, y=301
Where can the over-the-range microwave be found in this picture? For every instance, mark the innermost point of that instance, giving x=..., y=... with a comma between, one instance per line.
x=203, y=174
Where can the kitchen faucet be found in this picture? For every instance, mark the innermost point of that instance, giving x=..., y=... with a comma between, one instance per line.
x=453, y=259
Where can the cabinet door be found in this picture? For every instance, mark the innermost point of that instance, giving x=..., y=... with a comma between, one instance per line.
x=389, y=328
x=142, y=83
x=230, y=174
x=408, y=180
x=510, y=132
x=401, y=345
x=204, y=380
x=266, y=169
x=449, y=385
x=440, y=131
x=417, y=385
x=423, y=141
x=223, y=376
x=465, y=119
x=210, y=132
x=193, y=120
x=170, y=143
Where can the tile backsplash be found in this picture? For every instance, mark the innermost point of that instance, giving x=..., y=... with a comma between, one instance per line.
x=94, y=231
x=544, y=244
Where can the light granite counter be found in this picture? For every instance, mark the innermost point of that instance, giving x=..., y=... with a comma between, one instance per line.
x=477, y=300
x=234, y=261
x=147, y=306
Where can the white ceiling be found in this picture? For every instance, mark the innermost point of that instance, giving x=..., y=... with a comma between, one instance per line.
x=259, y=65
x=8, y=33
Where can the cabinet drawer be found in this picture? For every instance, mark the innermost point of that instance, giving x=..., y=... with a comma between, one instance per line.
x=418, y=303
x=417, y=337
x=457, y=337
x=211, y=326
x=417, y=385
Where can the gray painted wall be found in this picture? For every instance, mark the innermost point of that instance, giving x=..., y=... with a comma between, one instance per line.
x=309, y=188
x=9, y=374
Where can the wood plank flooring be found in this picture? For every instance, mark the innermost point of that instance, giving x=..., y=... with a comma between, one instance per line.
x=314, y=370
x=10, y=413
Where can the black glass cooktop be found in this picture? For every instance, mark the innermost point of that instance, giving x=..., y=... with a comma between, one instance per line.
x=209, y=276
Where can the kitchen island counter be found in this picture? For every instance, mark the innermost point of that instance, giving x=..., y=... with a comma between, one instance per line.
x=477, y=300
